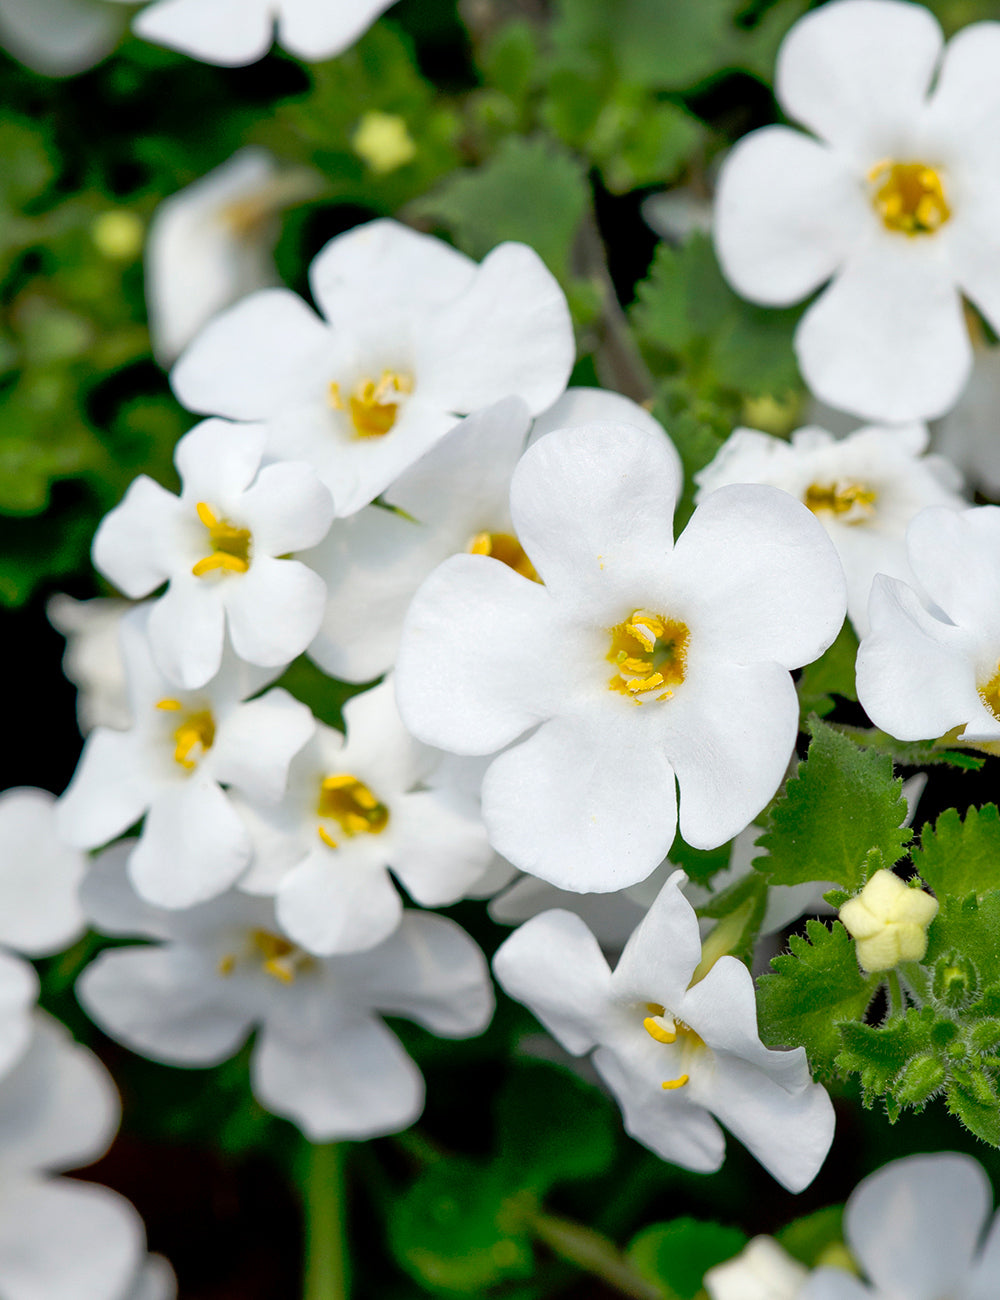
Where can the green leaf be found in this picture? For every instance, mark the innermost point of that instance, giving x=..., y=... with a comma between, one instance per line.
x=815, y=988
x=960, y=857
x=912, y=753
x=807, y=1238
x=700, y=864
x=879, y=1054
x=678, y=1254
x=975, y=1108
x=530, y=190
x=842, y=805
x=967, y=930
x=831, y=674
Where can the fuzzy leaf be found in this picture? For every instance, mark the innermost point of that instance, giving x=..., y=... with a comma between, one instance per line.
x=880, y=1054
x=959, y=857
x=967, y=930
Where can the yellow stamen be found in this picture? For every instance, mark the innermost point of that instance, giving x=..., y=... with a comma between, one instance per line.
x=507, y=549
x=351, y=804
x=649, y=652
x=656, y=1030
x=279, y=957
x=193, y=739
x=170, y=706
x=372, y=409
x=230, y=545
x=227, y=964
x=909, y=197
x=671, y=1084
x=852, y=503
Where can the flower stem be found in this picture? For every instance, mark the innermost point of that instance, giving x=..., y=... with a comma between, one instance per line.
x=592, y=1253
x=327, y=1276
x=897, y=1005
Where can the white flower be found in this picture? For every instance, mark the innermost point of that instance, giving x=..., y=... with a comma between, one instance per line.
x=354, y=808
x=92, y=661
x=208, y=245
x=171, y=764
x=59, y=37
x=413, y=334
x=761, y=1271
x=18, y=996
x=969, y=435
x=61, y=1239
x=236, y=32
x=673, y=1053
x=322, y=1056
x=931, y=662
x=894, y=202
x=40, y=874
x=455, y=499
x=864, y=489
x=643, y=661
x=916, y=1228
x=220, y=547
x=156, y=1281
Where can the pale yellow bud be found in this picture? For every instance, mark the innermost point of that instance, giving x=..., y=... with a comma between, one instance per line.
x=118, y=235
x=383, y=142
x=889, y=920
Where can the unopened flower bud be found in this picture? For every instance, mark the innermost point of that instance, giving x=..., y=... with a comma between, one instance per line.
x=889, y=920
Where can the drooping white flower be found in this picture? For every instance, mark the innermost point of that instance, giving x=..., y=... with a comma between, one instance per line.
x=864, y=489
x=221, y=547
x=322, y=1055
x=761, y=1271
x=919, y=1228
x=354, y=808
x=412, y=335
x=891, y=200
x=931, y=663
x=969, y=434
x=236, y=32
x=674, y=1053
x=455, y=499
x=59, y=37
x=92, y=661
x=171, y=765
x=643, y=661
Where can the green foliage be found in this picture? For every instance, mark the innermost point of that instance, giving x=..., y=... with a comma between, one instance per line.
x=807, y=1239
x=842, y=805
x=960, y=857
x=677, y=1255
x=831, y=674
x=913, y=753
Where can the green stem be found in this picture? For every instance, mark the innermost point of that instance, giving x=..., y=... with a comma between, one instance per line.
x=327, y=1276
x=592, y=1253
x=896, y=1004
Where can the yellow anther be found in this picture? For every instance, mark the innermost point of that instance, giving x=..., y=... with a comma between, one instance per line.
x=230, y=545
x=371, y=406
x=655, y=1029
x=227, y=964
x=278, y=956
x=350, y=803
x=193, y=738
x=648, y=651
x=889, y=921
x=670, y=1084
x=507, y=549
x=851, y=503
x=909, y=197
x=169, y=706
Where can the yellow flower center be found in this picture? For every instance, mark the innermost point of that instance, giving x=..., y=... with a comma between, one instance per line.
x=650, y=655
x=276, y=956
x=230, y=545
x=348, y=802
x=371, y=405
x=851, y=503
x=990, y=694
x=383, y=142
x=909, y=197
x=667, y=1029
x=507, y=549
x=194, y=737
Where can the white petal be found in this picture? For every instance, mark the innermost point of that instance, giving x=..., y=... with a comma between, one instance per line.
x=660, y=957
x=554, y=965
x=217, y=460
x=110, y=790
x=18, y=995
x=156, y=1281
x=274, y=610
x=112, y=905
x=857, y=73
x=254, y=359
x=134, y=544
x=331, y=904
x=228, y=32
x=320, y=31
x=956, y=557
x=186, y=630
x=256, y=743
x=579, y=406
x=358, y=1084
x=59, y=37
x=40, y=911
x=832, y=1284
x=982, y=1283
x=193, y=845
x=287, y=509
x=379, y=749
x=438, y=853
x=887, y=339
x=966, y=100
x=788, y=212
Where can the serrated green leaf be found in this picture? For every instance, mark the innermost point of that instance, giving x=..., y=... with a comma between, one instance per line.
x=968, y=929
x=981, y=1117
x=815, y=988
x=912, y=753
x=831, y=674
x=677, y=1255
x=842, y=804
x=878, y=1054
x=960, y=857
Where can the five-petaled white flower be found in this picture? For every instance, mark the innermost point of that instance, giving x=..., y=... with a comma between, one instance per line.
x=171, y=764
x=892, y=200
x=916, y=1228
x=322, y=1056
x=413, y=335
x=674, y=1053
x=222, y=547
x=643, y=660
x=354, y=808
x=930, y=665
x=864, y=489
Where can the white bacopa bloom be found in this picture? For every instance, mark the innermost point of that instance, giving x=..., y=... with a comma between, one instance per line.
x=236, y=32
x=454, y=500
x=59, y=37
x=674, y=1053
x=355, y=807
x=763, y=1270
x=930, y=665
x=864, y=489
x=208, y=246
x=171, y=765
x=633, y=663
x=412, y=335
x=920, y=1229
x=93, y=661
x=222, y=548
x=891, y=200
x=322, y=1055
